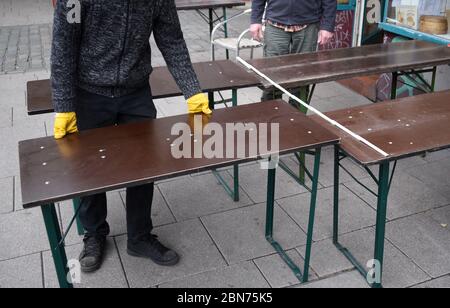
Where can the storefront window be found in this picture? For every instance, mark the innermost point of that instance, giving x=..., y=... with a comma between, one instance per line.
x=427, y=16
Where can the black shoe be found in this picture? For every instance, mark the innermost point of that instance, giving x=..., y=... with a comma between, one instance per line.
x=151, y=248
x=91, y=257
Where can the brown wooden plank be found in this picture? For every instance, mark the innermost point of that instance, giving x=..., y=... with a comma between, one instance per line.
x=402, y=128
x=213, y=76
x=331, y=65
x=186, y=5
x=55, y=170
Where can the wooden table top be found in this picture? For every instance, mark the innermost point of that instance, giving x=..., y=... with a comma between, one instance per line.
x=121, y=156
x=402, y=128
x=331, y=65
x=186, y=5
x=213, y=76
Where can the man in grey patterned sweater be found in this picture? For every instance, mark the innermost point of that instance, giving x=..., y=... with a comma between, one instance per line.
x=101, y=62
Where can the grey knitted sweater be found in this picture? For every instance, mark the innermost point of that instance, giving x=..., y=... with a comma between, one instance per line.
x=108, y=51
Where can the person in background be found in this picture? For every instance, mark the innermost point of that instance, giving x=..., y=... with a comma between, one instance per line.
x=292, y=27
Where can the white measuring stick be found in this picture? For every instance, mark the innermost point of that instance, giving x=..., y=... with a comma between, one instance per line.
x=312, y=109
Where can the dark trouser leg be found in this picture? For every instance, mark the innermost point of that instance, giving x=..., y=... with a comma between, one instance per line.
x=134, y=108
x=94, y=111
x=277, y=43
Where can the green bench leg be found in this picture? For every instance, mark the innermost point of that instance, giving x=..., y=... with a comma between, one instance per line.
x=270, y=217
x=58, y=250
x=304, y=96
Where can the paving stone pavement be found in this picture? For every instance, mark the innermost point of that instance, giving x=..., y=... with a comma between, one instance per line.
x=222, y=243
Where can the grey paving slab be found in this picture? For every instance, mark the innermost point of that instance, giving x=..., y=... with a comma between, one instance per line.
x=423, y=240
x=441, y=216
x=241, y=275
x=399, y=270
x=278, y=274
x=351, y=280
x=439, y=283
x=326, y=259
x=354, y=213
x=7, y=195
x=434, y=175
x=437, y=156
x=253, y=180
x=408, y=195
x=239, y=233
x=23, y=272
x=191, y=197
x=330, y=89
x=110, y=275
x=190, y=239
x=5, y=116
x=22, y=233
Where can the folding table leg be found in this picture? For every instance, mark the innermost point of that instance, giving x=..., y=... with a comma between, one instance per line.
x=270, y=218
x=76, y=206
x=336, y=196
x=312, y=214
x=234, y=191
x=384, y=183
x=57, y=248
x=383, y=192
x=394, y=85
x=304, y=94
x=227, y=52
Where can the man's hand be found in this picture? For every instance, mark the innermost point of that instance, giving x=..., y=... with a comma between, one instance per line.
x=325, y=37
x=199, y=104
x=257, y=32
x=65, y=123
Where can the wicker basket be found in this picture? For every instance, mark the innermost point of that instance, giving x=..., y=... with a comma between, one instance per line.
x=434, y=24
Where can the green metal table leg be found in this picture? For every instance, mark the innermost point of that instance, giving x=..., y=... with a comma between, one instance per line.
x=211, y=21
x=304, y=94
x=312, y=215
x=58, y=251
x=226, y=30
x=76, y=206
x=383, y=192
x=336, y=196
x=394, y=85
x=234, y=98
x=433, y=79
x=211, y=100
x=270, y=217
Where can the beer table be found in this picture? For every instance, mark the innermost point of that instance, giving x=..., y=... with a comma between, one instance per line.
x=100, y=160
x=213, y=76
x=212, y=6
x=402, y=128
x=411, y=58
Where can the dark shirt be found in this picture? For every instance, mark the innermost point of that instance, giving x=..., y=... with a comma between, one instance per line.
x=296, y=12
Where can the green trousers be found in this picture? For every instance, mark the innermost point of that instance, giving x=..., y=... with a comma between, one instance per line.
x=279, y=43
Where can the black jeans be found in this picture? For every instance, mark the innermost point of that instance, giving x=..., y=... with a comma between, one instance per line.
x=95, y=111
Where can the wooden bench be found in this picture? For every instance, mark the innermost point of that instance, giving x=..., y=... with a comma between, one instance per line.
x=99, y=160
x=402, y=128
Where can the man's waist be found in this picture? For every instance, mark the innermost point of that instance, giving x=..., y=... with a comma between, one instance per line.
x=113, y=91
x=287, y=28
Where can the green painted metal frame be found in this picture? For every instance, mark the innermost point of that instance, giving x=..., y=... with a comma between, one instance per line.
x=233, y=192
x=424, y=86
x=56, y=244
x=384, y=183
x=301, y=276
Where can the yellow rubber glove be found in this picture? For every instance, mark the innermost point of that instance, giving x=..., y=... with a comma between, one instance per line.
x=199, y=104
x=65, y=123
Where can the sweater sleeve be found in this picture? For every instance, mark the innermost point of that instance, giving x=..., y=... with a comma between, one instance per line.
x=169, y=39
x=64, y=55
x=258, y=8
x=329, y=15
